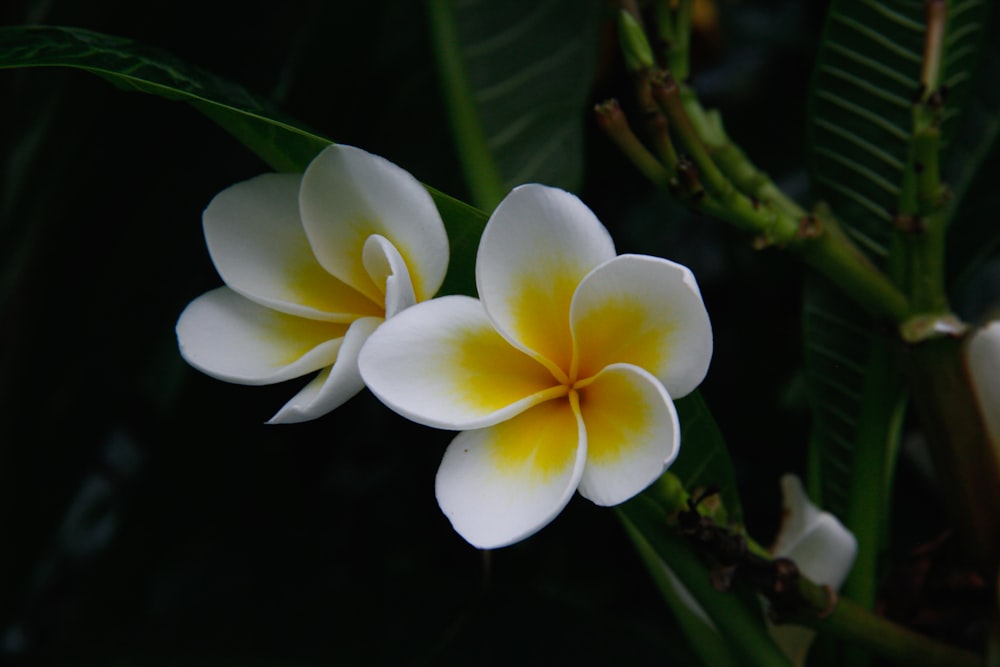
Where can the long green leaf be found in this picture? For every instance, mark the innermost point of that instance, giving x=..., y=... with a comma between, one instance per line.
x=736, y=615
x=698, y=629
x=867, y=73
x=974, y=233
x=704, y=458
x=280, y=142
x=866, y=79
x=516, y=77
x=703, y=461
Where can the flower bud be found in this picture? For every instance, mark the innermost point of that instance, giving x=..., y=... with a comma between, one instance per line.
x=635, y=46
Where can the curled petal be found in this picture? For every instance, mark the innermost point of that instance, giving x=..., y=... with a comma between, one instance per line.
x=258, y=246
x=386, y=268
x=441, y=363
x=537, y=246
x=334, y=385
x=498, y=485
x=644, y=311
x=818, y=543
x=632, y=433
x=349, y=194
x=822, y=548
x=983, y=361
x=234, y=339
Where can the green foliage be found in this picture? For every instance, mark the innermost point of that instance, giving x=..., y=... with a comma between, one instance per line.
x=698, y=630
x=865, y=85
x=703, y=462
x=516, y=77
x=284, y=144
x=737, y=617
x=866, y=81
x=131, y=66
x=704, y=458
x=974, y=234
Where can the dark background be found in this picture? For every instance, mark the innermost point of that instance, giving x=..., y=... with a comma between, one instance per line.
x=147, y=516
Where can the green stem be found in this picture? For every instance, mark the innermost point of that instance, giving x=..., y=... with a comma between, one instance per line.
x=966, y=463
x=731, y=159
x=873, y=461
x=926, y=237
x=824, y=246
x=853, y=623
x=805, y=603
x=481, y=172
x=922, y=203
x=679, y=56
x=656, y=123
x=737, y=624
x=832, y=252
x=666, y=94
x=704, y=639
x=936, y=16
x=611, y=119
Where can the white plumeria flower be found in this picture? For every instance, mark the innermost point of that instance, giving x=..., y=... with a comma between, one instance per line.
x=313, y=263
x=982, y=356
x=561, y=377
x=821, y=547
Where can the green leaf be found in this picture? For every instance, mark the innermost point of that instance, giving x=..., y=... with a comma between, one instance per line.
x=704, y=638
x=860, y=115
x=974, y=233
x=860, y=126
x=516, y=77
x=860, y=108
x=736, y=614
x=858, y=401
x=280, y=142
x=132, y=66
x=704, y=459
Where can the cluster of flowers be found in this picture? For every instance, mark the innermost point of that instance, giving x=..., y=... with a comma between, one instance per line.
x=560, y=377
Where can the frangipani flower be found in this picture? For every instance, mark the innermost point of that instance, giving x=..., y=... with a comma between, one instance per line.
x=821, y=547
x=561, y=377
x=313, y=263
x=818, y=543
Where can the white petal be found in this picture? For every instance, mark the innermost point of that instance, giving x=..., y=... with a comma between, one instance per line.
x=349, y=194
x=537, y=246
x=644, y=311
x=632, y=433
x=498, y=485
x=983, y=360
x=386, y=268
x=334, y=385
x=258, y=246
x=442, y=364
x=232, y=338
x=821, y=546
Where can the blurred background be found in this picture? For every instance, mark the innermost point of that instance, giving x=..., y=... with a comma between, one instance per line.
x=147, y=514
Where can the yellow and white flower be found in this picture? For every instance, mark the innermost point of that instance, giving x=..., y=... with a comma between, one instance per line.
x=561, y=377
x=313, y=264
